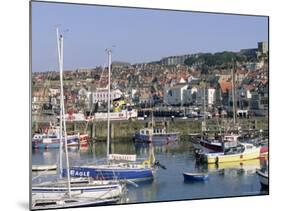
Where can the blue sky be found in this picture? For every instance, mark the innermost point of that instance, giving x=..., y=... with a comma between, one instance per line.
x=140, y=35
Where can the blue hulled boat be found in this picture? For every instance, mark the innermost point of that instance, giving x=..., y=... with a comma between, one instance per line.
x=124, y=171
x=195, y=176
x=51, y=140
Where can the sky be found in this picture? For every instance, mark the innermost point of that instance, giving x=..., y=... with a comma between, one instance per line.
x=139, y=35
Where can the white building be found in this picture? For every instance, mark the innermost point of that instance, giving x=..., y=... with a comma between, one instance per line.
x=252, y=66
x=101, y=95
x=192, y=95
x=211, y=96
x=182, y=94
x=54, y=91
x=175, y=95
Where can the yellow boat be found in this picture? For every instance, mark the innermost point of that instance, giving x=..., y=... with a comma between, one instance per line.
x=240, y=153
x=246, y=165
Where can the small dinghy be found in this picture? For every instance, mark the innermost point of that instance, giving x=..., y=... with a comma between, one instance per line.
x=44, y=167
x=195, y=176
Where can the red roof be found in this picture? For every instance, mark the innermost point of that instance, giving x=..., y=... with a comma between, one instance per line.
x=225, y=86
x=248, y=87
x=264, y=82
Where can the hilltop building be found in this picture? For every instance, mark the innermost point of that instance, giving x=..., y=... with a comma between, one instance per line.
x=174, y=60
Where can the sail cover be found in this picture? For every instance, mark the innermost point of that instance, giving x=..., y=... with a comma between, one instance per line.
x=122, y=157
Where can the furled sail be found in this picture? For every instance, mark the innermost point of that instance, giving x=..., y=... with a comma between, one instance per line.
x=122, y=157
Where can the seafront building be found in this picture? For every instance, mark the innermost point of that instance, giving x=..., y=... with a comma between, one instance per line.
x=101, y=95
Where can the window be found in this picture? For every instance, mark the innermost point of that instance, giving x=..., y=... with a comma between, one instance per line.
x=170, y=93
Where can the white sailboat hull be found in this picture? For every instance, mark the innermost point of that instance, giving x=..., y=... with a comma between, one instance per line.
x=263, y=177
x=44, y=167
x=85, y=191
x=73, y=202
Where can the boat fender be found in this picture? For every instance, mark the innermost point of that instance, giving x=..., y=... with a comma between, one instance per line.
x=217, y=160
x=145, y=163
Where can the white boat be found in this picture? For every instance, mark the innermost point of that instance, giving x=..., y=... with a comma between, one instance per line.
x=79, y=189
x=66, y=202
x=263, y=177
x=44, y=167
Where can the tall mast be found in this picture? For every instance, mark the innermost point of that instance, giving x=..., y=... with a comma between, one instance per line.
x=203, y=124
x=233, y=93
x=204, y=100
x=61, y=98
x=63, y=114
x=108, y=102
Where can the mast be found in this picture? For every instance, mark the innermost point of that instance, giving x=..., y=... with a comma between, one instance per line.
x=61, y=98
x=108, y=102
x=233, y=94
x=204, y=102
x=63, y=115
x=203, y=124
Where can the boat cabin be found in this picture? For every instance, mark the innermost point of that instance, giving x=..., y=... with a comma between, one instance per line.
x=234, y=150
x=231, y=138
x=154, y=131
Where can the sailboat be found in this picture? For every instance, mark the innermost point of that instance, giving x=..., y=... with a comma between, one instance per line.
x=72, y=193
x=127, y=170
x=220, y=142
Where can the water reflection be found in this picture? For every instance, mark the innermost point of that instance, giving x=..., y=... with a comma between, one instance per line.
x=160, y=148
x=225, y=179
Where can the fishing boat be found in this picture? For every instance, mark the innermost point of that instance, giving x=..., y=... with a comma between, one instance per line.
x=119, y=167
x=264, y=150
x=195, y=176
x=154, y=134
x=247, y=165
x=218, y=144
x=66, y=192
x=148, y=135
x=51, y=139
x=241, y=152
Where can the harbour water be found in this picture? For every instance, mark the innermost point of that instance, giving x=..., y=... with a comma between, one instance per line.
x=225, y=180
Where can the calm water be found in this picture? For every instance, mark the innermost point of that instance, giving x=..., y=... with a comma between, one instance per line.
x=231, y=179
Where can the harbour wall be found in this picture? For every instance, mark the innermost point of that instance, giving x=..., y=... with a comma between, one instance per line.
x=126, y=128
